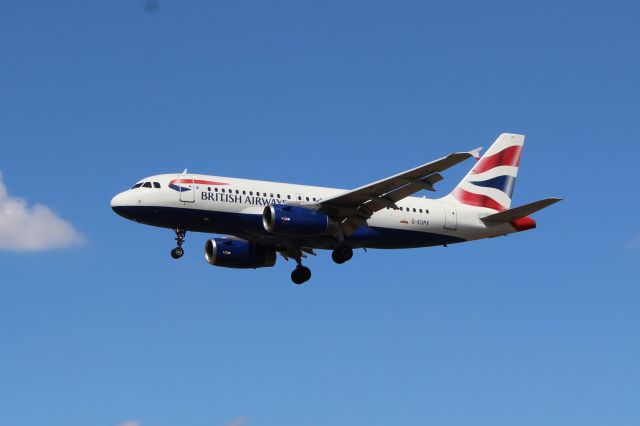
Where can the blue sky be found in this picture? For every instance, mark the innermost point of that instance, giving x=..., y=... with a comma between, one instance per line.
x=539, y=328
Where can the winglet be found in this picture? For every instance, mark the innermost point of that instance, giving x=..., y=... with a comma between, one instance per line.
x=475, y=153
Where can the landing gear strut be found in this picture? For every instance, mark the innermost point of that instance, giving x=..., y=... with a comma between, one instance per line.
x=177, y=252
x=301, y=274
x=342, y=254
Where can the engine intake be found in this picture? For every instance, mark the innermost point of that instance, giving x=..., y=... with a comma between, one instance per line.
x=284, y=219
x=241, y=254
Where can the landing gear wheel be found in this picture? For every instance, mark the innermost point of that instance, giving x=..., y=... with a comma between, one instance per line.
x=306, y=273
x=301, y=275
x=177, y=252
x=342, y=254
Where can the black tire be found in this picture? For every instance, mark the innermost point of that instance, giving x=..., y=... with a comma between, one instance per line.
x=296, y=276
x=177, y=252
x=301, y=275
x=342, y=254
x=306, y=273
x=347, y=253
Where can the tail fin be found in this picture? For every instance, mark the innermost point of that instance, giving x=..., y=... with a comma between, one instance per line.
x=490, y=182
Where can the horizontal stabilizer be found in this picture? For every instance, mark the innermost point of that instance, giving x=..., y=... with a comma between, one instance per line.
x=522, y=211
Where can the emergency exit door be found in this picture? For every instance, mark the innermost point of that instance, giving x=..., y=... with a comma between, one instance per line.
x=450, y=216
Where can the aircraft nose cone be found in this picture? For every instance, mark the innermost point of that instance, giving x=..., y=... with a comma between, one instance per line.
x=119, y=206
x=116, y=201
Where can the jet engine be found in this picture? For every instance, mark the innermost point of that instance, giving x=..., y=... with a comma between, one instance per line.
x=284, y=219
x=241, y=254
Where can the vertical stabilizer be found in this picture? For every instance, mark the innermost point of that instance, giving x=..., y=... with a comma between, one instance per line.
x=490, y=182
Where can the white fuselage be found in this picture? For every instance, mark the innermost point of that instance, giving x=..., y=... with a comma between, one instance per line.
x=234, y=206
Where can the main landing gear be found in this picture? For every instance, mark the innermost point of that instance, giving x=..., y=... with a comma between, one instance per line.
x=301, y=274
x=342, y=254
x=177, y=252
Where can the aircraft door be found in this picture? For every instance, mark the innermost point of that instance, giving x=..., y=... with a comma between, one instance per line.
x=450, y=216
x=187, y=188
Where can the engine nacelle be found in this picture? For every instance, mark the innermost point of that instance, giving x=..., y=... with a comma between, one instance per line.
x=242, y=254
x=284, y=219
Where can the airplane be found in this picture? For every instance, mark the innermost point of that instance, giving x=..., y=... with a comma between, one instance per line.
x=261, y=219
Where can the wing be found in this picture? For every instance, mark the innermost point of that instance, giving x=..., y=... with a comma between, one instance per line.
x=354, y=207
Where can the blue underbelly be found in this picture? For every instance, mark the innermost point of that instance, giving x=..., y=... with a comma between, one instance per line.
x=249, y=226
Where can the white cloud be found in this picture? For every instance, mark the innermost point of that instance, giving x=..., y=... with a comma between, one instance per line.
x=237, y=421
x=129, y=423
x=25, y=228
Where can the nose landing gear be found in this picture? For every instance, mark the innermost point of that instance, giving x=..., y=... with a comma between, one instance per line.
x=177, y=252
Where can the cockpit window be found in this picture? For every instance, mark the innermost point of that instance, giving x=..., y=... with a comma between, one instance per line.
x=156, y=184
x=147, y=185
x=137, y=185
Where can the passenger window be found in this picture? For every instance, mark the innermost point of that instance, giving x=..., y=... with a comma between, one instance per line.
x=299, y=198
x=209, y=188
x=426, y=211
x=420, y=210
x=278, y=195
x=288, y=197
x=414, y=210
x=271, y=195
x=147, y=185
x=244, y=192
x=307, y=198
x=222, y=189
x=314, y=198
x=237, y=192
x=215, y=189
x=264, y=194
x=250, y=192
